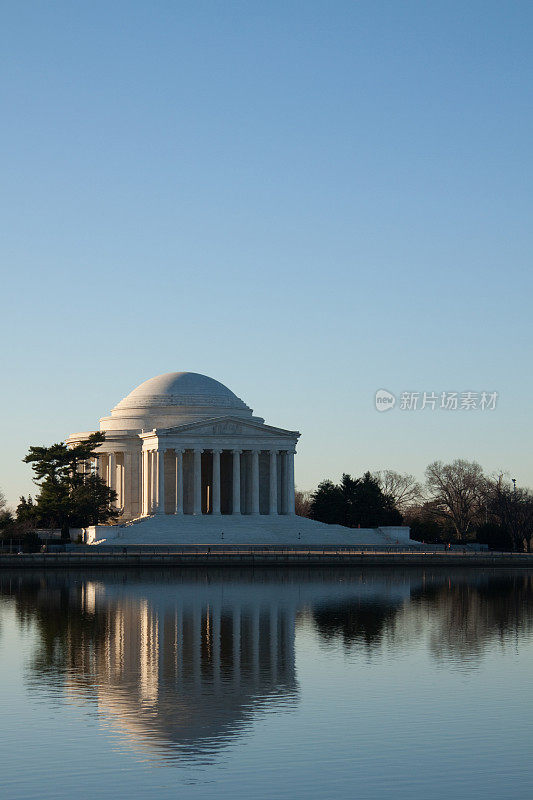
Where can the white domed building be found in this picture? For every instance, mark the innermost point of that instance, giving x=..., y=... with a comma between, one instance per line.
x=184, y=452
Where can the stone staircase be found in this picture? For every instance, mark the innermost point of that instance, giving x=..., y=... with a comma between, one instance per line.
x=246, y=529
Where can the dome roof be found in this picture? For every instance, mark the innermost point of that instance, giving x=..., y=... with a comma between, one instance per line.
x=181, y=389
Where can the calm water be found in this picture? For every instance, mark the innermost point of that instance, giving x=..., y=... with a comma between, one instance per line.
x=267, y=684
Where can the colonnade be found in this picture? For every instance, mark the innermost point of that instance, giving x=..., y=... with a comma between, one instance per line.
x=155, y=484
x=176, y=481
x=121, y=471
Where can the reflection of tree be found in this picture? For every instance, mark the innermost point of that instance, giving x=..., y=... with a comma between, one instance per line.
x=64, y=629
x=473, y=611
x=354, y=622
x=461, y=612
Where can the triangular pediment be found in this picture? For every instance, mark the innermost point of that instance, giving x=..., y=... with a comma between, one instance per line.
x=226, y=426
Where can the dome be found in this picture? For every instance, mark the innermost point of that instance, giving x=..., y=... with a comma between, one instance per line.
x=181, y=389
x=174, y=398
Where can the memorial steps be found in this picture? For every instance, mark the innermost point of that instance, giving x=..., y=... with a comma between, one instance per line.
x=245, y=529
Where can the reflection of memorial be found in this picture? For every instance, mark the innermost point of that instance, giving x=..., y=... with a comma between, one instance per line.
x=187, y=671
x=181, y=662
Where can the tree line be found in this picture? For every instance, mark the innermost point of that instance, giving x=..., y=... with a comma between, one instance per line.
x=456, y=503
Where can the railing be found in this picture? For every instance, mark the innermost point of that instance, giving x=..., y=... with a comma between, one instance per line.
x=268, y=552
x=269, y=549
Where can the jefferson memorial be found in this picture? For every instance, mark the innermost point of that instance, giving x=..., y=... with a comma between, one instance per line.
x=191, y=463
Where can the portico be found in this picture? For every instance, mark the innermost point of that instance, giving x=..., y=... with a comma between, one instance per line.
x=215, y=480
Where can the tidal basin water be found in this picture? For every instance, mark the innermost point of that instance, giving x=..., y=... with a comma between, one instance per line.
x=320, y=683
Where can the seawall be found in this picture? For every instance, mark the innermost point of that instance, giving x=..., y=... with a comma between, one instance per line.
x=243, y=556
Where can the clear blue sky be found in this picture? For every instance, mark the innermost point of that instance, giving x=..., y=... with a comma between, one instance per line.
x=308, y=201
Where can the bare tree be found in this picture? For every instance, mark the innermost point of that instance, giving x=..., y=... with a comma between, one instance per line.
x=6, y=517
x=402, y=488
x=302, y=503
x=513, y=510
x=457, y=492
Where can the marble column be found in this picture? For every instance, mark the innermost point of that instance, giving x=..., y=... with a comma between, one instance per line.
x=255, y=481
x=160, y=496
x=127, y=483
x=283, y=480
x=236, y=508
x=138, y=483
x=111, y=471
x=273, y=496
x=119, y=473
x=152, y=480
x=197, y=481
x=145, y=483
x=216, y=481
x=290, y=482
x=179, y=482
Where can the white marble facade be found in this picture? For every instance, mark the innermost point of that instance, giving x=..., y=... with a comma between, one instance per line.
x=184, y=444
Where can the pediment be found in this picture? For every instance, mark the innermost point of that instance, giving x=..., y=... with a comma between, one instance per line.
x=227, y=426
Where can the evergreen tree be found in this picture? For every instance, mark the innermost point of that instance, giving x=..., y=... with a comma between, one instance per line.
x=68, y=496
x=27, y=515
x=354, y=502
x=327, y=503
x=91, y=503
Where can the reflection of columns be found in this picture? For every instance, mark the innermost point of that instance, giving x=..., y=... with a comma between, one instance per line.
x=290, y=482
x=179, y=482
x=197, y=643
x=255, y=643
x=179, y=643
x=149, y=654
x=236, y=644
x=160, y=497
x=215, y=643
x=216, y=481
x=289, y=639
x=145, y=484
x=236, y=508
x=273, y=506
x=197, y=481
x=255, y=482
x=273, y=642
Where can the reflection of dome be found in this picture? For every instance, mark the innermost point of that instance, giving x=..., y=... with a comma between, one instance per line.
x=174, y=398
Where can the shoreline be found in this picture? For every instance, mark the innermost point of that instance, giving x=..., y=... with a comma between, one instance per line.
x=220, y=556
